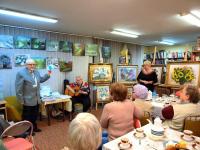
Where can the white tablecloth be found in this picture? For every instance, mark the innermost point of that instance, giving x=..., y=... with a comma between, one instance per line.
x=146, y=143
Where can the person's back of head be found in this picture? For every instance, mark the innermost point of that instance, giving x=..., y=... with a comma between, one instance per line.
x=193, y=93
x=118, y=91
x=84, y=132
x=140, y=91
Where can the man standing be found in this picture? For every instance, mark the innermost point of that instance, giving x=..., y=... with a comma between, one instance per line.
x=27, y=86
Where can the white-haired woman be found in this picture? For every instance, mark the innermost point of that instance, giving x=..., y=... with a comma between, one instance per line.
x=147, y=76
x=84, y=132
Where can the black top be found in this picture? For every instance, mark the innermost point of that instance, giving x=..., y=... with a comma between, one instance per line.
x=148, y=77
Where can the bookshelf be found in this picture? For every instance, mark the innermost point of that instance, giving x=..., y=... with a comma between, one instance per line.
x=195, y=55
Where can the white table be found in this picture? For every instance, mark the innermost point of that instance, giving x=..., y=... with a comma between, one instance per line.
x=146, y=143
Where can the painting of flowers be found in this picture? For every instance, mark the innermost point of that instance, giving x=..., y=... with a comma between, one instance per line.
x=20, y=59
x=78, y=49
x=103, y=92
x=181, y=73
x=5, y=61
x=106, y=52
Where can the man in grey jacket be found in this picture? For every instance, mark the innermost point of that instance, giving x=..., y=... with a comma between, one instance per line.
x=27, y=86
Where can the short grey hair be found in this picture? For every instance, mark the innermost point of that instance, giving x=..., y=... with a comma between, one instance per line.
x=84, y=132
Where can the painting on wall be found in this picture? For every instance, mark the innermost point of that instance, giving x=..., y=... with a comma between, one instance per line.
x=65, y=66
x=100, y=73
x=65, y=46
x=52, y=46
x=130, y=92
x=127, y=73
x=179, y=73
x=106, y=52
x=38, y=44
x=5, y=61
x=6, y=41
x=103, y=92
x=20, y=59
x=91, y=50
x=159, y=71
x=40, y=62
x=78, y=49
x=53, y=62
x=22, y=42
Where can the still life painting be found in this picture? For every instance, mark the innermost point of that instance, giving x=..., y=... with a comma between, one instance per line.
x=179, y=73
x=38, y=44
x=40, y=62
x=22, y=42
x=127, y=73
x=6, y=41
x=65, y=46
x=91, y=50
x=103, y=92
x=159, y=70
x=20, y=59
x=106, y=52
x=52, y=46
x=100, y=73
x=78, y=49
x=5, y=61
x=65, y=66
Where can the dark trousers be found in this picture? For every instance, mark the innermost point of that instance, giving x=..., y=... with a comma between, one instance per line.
x=83, y=99
x=30, y=113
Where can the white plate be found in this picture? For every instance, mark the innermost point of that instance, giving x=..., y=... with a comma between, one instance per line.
x=187, y=139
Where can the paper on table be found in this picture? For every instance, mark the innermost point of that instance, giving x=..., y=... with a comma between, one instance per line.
x=65, y=96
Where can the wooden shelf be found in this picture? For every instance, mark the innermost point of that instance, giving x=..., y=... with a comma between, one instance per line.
x=196, y=51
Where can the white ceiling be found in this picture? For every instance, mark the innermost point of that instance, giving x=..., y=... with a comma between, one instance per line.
x=154, y=19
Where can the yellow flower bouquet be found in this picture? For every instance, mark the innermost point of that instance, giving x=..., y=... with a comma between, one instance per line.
x=183, y=75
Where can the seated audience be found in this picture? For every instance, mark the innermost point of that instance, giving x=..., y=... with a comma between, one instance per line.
x=80, y=93
x=140, y=93
x=84, y=132
x=118, y=116
x=188, y=106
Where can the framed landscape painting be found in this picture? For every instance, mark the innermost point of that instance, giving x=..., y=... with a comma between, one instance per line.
x=65, y=46
x=100, y=73
x=179, y=73
x=159, y=70
x=40, y=62
x=38, y=44
x=6, y=41
x=22, y=42
x=65, y=66
x=106, y=52
x=78, y=49
x=127, y=74
x=91, y=50
x=52, y=46
x=5, y=61
x=103, y=92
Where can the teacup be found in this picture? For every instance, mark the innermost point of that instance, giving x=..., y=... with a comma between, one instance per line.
x=139, y=132
x=124, y=143
x=187, y=134
x=197, y=142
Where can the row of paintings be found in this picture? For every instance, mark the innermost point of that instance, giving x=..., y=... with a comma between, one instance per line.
x=41, y=62
x=77, y=49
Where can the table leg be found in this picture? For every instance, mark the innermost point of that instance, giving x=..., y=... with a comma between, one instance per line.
x=48, y=115
x=63, y=111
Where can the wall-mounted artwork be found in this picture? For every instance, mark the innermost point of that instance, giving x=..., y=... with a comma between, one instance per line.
x=130, y=92
x=40, y=62
x=22, y=42
x=52, y=46
x=127, y=73
x=5, y=61
x=38, y=44
x=106, y=52
x=78, y=49
x=52, y=61
x=6, y=41
x=159, y=71
x=65, y=46
x=20, y=59
x=100, y=73
x=122, y=60
x=179, y=73
x=65, y=66
x=91, y=50
x=103, y=92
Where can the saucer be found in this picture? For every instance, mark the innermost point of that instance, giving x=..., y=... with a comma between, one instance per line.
x=135, y=135
x=156, y=138
x=122, y=147
x=187, y=140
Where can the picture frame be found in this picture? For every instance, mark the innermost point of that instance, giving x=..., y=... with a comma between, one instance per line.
x=158, y=68
x=102, y=92
x=91, y=50
x=129, y=92
x=179, y=73
x=100, y=73
x=127, y=74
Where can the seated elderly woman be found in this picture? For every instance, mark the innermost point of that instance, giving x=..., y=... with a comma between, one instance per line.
x=176, y=114
x=84, y=133
x=140, y=93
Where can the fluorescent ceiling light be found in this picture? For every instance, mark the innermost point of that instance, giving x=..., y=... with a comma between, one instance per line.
x=27, y=16
x=193, y=18
x=124, y=33
x=166, y=42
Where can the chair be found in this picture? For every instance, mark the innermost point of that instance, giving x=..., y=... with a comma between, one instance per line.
x=143, y=119
x=14, y=108
x=192, y=123
x=16, y=130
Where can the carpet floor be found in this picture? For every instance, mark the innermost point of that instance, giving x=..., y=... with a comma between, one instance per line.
x=55, y=137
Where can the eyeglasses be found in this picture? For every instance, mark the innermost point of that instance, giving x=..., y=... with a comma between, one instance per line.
x=31, y=64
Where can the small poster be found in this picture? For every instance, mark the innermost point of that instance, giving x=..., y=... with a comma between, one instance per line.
x=5, y=61
x=52, y=46
x=40, y=62
x=106, y=52
x=20, y=59
x=38, y=44
x=52, y=61
x=65, y=46
x=91, y=50
x=78, y=49
x=22, y=42
x=65, y=66
x=6, y=41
